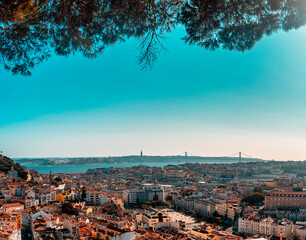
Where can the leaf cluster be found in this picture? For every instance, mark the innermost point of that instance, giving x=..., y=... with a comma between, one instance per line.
x=30, y=30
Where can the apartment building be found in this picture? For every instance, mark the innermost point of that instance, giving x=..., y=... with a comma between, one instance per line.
x=175, y=175
x=47, y=197
x=232, y=210
x=267, y=227
x=204, y=207
x=285, y=200
x=72, y=225
x=221, y=208
x=29, y=202
x=146, y=193
x=208, y=232
x=95, y=198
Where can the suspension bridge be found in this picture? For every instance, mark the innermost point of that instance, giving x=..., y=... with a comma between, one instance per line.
x=239, y=156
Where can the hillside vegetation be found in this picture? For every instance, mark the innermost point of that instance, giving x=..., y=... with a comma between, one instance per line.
x=6, y=164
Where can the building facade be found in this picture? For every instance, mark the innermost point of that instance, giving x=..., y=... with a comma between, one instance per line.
x=285, y=200
x=146, y=193
x=267, y=227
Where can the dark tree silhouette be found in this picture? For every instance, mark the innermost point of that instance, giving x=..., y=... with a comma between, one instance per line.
x=83, y=193
x=254, y=199
x=23, y=38
x=238, y=24
x=258, y=189
x=30, y=30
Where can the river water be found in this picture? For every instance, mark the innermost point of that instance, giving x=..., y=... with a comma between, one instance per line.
x=84, y=168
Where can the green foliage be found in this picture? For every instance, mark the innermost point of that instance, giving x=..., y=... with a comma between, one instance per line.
x=58, y=179
x=254, y=199
x=6, y=164
x=30, y=30
x=83, y=194
x=157, y=203
x=216, y=214
x=218, y=220
x=210, y=219
x=187, y=193
x=258, y=189
x=69, y=209
x=169, y=198
x=198, y=215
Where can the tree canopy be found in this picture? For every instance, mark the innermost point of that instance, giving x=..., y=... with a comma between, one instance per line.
x=30, y=30
x=157, y=203
x=6, y=164
x=258, y=189
x=254, y=199
x=69, y=209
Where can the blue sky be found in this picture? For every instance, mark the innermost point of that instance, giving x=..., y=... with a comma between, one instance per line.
x=208, y=103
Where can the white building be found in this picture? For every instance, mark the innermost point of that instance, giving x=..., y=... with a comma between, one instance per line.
x=146, y=193
x=30, y=202
x=205, y=207
x=29, y=193
x=153, y=216
x=72, y=225
x=95, y=198
x=267, y=227
x=47, y=197
x=221, y=208
x=232, y=210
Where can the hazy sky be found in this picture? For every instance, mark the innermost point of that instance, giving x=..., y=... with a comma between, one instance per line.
x=207, y=103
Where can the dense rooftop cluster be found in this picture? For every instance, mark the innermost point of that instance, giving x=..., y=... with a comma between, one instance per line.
x=189, y=201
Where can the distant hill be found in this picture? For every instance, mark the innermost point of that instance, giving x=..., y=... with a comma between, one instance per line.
x=6, y=164
x=130, y=159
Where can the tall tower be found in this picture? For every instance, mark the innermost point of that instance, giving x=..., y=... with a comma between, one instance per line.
x=239, y=156
x=141, y=153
